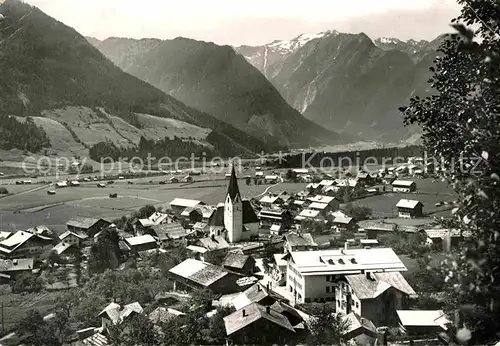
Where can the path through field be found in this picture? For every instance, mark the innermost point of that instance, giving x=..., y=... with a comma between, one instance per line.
x=266, y=190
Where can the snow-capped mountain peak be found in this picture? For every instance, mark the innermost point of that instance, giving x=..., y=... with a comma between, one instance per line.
x=291, y=46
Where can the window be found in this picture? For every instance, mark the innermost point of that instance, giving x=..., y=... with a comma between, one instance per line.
x=328, y=278
x=357, y=305
x=327, y=289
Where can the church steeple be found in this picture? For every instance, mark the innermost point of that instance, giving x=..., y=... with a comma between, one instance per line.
x=232, y=189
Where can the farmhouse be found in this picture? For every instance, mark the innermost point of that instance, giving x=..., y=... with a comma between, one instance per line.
x=113, y=314
x=24, y=244
x=368, y=294
x=299, y=242
x=201, y=228
x=235, y=218
x=239, y=263
x=75, y=239
x=403, y=186
x=270, y=200
x=300, y=171
x=88, y=226
x=270, y=217
x=308, y=214
x=332, y=202
x=374, y=229
x=445, y=237
x=178, y=205
x=173, y=180
x=255, y=294
x=312, y=275
x=15, y=267
x=271, y=179
x=410, y=209
x=201, y=275
x=361, y=330
x=191, y=215
x=65, y=249
x=155, y=219
x=171, y=235
x=206, y=212
x=345, y=224
x=273, y=327
x=141, y=243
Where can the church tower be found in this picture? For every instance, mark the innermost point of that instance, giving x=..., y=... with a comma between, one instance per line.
x=233, y=210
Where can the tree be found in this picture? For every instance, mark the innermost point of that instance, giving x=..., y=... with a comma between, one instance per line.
x=326, y=326
x=137, y=329
x=358, y=212
x=37, y=331
x=312, y=226
x=248, y=181
x=291, y=175
x=63, y=314
x=105, y=252
x=460, y=126
x=268, y=259
x=27, y=283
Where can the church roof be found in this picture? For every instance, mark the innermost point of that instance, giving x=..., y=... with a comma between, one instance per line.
x=249, y=215
x=232, y=189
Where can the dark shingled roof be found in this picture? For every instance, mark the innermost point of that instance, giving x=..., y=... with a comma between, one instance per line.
x=173, y=230
x=303, y=239
x=215, y=243
x=235, y=260
x=254, y=312
x=233, y=189
x=218, y=217
x=365, y=288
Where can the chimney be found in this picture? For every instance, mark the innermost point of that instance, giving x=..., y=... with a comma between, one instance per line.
x=268, y=309
x=244, y=313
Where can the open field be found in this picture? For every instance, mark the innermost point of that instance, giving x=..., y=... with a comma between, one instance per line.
x=31, y=208
x=17, y=305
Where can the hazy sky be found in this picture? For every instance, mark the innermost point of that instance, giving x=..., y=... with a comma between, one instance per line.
x=251, y=22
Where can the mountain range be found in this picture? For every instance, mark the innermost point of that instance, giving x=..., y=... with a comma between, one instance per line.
x=348, y=82
x=217, y=80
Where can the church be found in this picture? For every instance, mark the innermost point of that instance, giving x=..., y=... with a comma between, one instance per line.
x=235, y=218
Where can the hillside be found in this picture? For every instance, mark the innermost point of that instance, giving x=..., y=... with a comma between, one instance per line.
x=351, y=84
x=47, y=66
x=220, y=82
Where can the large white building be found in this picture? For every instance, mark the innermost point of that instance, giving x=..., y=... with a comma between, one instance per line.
x=314, y=276
x=235, y=218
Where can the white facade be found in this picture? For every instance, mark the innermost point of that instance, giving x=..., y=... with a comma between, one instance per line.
x=233, y=218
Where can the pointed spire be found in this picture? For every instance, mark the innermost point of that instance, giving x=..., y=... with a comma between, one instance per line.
x=232, y=189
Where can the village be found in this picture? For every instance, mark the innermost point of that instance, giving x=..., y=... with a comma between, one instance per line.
x=266, y=259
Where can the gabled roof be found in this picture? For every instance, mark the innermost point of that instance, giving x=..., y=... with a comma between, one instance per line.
x=68, y=233
x=163, y=314
x=366, y=288
x=254, y=294
x=423, y=318
x=321, y=199
x=443, y=233
x=82, y=222
x=233, y=189
x=236, y=260
x=249, y=215
x=97, y=339
x=173, y=230
x=200, y=225
x=252, y=313
x=10, y=244
x=187, y=212
x=214, y=243
x=19, y=264
x=345, y=220
x=378, y=226
x=318, y=206
x=356, y=322
x=154, y=219
x=302, y=239
x=270, y=199
x=61, y=247
x=116, y=314
x=408, y=203
x=309, y=213
x=404, y=183
x=202, y=273
x=139, y=240
x=206, y=211
x=183, y=202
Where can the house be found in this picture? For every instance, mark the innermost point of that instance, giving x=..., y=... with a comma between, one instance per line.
x=171, y=235
x=75, y=239
x=65, y=249
x=173, y=180
x=299, y=242
x=114, y=314
x=188, y=179
x=13, y=268
x=142, y=243
x=276, y=229
x=215, y=249
x=389, y=178
x=24, y=244
x=163, y=315
x=360, y=330
x=374, y=296
x=422, y=322
x=410, y=209
x=239, y=263
x=310, y=214
x=345, y=224
x=444, y=237
x=374, y=229
x=312, y=276
x=278, y=273
x=271, y=179
x=332, y=202
x=271, y=200
x=300, y=171
x=404, y=186
x=88, y=226
x=257, y=293
x=235, y=218
x=155, y=219
x=202, y=275
x=258, y=324
x=322, y=207
x=206, y=212
x=178, y=205
x=364, y=178
x=269, y=217
x=191, y=215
